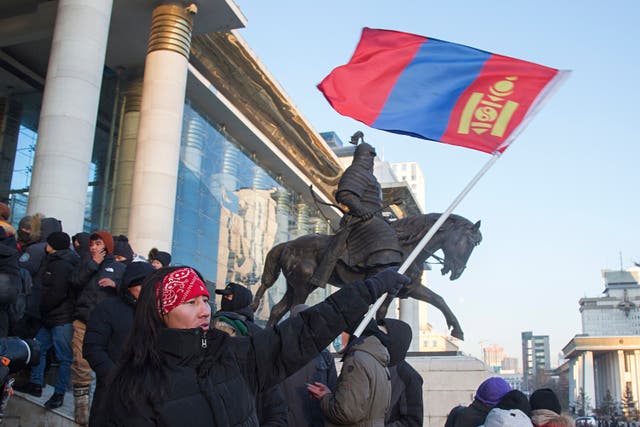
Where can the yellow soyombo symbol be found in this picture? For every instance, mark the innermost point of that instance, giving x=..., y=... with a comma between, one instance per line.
x=489, y=111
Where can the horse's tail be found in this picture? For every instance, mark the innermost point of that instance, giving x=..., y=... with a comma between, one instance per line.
x=272, y=265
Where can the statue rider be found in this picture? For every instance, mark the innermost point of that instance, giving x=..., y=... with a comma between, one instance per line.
x=371, y=241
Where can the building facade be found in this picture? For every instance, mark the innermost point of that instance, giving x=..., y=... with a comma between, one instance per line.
x=185, y=143
x=493, y=355
x=411, y=173
x=617, y=312
x=605, y=358
x=510, y=364
x=535, y=359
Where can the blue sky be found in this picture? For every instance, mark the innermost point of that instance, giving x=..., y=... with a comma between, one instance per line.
x=560, y=205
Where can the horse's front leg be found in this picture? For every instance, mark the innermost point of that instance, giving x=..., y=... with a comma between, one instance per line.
x=427, y=295
x=258, y=297
x=280, y=308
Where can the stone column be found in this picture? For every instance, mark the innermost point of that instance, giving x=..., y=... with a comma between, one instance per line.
x=10, y=114
x=622, y=383
x=155, y=174
x=123, y=175
x=409, y=313
x=589, y=384
x=69, y=109
x=573, y=381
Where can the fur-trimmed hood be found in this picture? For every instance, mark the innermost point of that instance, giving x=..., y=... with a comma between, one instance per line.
x=548, y=418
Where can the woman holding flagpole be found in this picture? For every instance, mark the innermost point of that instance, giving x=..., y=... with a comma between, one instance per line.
x=177, y=371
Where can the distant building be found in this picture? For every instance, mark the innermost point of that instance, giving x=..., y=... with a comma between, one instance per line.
x=606, y=356
x=510, y=365
x=432, y=341
x=615, y=313
x=332, y=139
x=493, y=356
x=600, y=364
x=514, y=380
x=411, y=173
x=535, y=359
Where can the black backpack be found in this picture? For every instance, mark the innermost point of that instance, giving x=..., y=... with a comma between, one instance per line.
x=19, y=306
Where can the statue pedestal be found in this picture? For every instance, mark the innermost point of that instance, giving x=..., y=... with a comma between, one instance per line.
x=448, y=381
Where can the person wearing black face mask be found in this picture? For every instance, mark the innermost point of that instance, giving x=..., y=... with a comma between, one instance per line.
x=236, y=298
x=271, y=407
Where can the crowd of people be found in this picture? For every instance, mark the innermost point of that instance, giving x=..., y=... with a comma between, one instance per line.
x=144, y=331
x=495, y=404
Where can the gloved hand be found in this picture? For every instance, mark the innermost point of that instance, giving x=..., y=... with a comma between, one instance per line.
x=387, y=281
x=366, y=216
x=361, y=214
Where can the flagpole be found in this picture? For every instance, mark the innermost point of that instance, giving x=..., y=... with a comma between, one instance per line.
x=432, y=231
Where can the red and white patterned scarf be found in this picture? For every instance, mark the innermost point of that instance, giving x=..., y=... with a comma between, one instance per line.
x=179, y=286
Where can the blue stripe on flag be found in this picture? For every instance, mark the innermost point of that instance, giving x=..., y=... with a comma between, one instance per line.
x=430, y=86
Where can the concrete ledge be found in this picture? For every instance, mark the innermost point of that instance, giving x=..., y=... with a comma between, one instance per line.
x=447, y=381
x=26, y=410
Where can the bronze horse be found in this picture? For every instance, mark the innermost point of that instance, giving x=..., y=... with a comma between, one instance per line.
x=298, y=258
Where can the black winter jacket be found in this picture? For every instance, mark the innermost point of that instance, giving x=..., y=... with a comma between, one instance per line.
x=213, y=381
x=271, y=406
x=108, y=328
x=85, y=280
x=470, y=416
x=33, y=260
x=57, y=296
x=8, y=254
x=9, y=274
x=34, y=254
x=406, y=397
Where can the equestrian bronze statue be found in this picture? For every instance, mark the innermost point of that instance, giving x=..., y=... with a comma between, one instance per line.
x=366, y=243
x=298, y=259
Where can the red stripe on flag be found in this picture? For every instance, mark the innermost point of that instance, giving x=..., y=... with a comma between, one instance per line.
x=379, y=59
x=491, y=108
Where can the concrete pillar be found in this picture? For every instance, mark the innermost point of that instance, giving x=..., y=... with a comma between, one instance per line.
x=621, y=374
x=155, y=175
x=10, y=115
x=635, y=373
x=410, y=315
x=589, y=384
x=123, y=175
x=573, y=375
x=69, y=109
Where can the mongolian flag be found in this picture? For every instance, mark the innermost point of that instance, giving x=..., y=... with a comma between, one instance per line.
x=433, y=89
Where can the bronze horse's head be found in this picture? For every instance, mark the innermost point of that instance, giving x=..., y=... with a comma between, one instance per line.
x=458, y=247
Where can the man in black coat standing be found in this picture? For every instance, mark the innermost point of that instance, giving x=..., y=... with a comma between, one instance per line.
x=108, y=327
x=406, y=408
x=95, y=279
x=56, y=308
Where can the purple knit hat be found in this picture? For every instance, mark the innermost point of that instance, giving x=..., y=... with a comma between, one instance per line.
x=491, y=391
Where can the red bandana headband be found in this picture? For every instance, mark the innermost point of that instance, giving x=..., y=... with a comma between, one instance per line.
x=180, y=286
